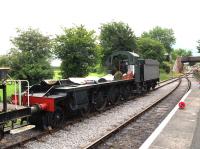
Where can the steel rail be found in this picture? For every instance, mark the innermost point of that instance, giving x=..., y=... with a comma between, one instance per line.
x=48, y=132
x=133, y=118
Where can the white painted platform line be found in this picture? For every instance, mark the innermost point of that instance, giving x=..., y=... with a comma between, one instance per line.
x=21, y=129
x=158, y=130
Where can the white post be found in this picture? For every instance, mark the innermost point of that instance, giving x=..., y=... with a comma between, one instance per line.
x=19, y=94
x=28, y=93
x=19, y=100
x=15, y=95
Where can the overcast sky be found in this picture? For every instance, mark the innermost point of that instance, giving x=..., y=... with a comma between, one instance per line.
x=141, y=15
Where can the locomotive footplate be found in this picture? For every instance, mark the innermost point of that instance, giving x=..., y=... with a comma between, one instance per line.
x=13, y=113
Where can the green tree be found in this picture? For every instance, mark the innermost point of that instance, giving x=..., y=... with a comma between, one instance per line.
x=77, y=49
x=180, y=52
x=116, y=36
x=32, y=42
x=164, y=35
x=29, y=59
x=4, y=61
x=149, y=48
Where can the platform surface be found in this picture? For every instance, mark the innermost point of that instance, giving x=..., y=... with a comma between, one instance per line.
x=183, y=129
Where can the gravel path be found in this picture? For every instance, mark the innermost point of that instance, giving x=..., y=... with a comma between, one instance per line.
x=79, y=134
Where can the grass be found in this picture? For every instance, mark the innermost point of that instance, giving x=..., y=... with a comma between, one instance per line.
x=10, y=89
x=97, y=74
x=166, y=76
x=163, y=74
x=57, y=74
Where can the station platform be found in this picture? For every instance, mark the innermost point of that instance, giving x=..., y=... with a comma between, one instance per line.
x=181, y=128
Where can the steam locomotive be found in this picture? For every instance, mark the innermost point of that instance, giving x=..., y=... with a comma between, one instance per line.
x=49, y=102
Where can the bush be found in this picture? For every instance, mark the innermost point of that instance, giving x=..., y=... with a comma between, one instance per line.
x=166, y=66
x=77, y=48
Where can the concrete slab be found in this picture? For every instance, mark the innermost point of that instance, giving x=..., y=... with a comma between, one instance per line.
x=196, y=138
x=183, y=129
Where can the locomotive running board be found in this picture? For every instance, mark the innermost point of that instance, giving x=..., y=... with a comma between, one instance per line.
x=22, y=129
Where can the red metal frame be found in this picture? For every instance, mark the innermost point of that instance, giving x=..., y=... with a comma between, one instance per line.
x=48, y=102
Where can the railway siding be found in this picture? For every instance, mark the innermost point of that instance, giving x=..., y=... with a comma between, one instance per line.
x=79, y=134
x=134, y=134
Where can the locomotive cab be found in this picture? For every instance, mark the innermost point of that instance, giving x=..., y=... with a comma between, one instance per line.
x=122, y=61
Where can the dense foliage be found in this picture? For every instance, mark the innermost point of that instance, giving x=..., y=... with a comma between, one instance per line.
x=116, y=36
x=29, y=59
x=164, y=35
x=82, y=52
x=149, y=48
x=77, y=49
x=180, y=52
x=4, y=61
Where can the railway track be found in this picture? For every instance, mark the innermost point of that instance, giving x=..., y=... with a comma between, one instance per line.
x=133, y=132
x=13, y=141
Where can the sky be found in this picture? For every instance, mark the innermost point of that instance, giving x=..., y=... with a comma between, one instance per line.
x=49, y=16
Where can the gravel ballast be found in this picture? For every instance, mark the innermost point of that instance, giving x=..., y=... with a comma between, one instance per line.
x=82, y=133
